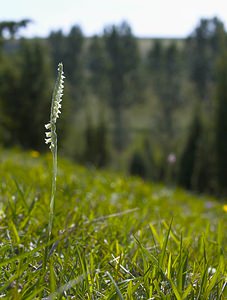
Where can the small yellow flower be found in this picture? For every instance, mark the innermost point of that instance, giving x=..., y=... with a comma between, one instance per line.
x=35, y=154
x=225, y=207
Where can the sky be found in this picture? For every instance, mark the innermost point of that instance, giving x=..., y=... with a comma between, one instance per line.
x=147, y=18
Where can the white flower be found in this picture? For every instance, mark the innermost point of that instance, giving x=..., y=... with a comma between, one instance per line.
x=48, y=126
x=48, y=134
x=47, y=141
x=211, y=271
x=55, y=108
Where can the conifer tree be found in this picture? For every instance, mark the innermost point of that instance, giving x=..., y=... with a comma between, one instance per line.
x=188, y=158
x=221, y=123
x=28, y=104
x=203, y=47
x=98, y=65
x=125, y=88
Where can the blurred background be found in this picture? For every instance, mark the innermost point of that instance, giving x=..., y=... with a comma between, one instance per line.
x=145, y=89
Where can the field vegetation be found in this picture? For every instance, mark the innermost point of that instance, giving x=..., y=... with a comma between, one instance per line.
x=114, y=237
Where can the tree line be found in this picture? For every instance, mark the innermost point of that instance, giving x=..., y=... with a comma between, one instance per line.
x=160, y=114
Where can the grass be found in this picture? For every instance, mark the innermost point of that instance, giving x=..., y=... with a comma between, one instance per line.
x=113, y=237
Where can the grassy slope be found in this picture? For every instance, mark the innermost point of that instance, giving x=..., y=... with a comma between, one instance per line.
x=112, y=236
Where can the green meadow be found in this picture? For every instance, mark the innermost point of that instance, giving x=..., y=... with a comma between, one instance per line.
x=113, y=237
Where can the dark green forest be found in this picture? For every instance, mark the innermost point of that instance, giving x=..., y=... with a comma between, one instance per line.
x=156, y=108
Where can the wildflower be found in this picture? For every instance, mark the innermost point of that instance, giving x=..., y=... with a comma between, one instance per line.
x=209, y=204
x=51, y=137
x=55, y=109
x=34, y=154
x=171, y=158
x=211, y=271
x=225, y=208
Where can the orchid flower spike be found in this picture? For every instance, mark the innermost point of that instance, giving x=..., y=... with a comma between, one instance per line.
x=51, y=136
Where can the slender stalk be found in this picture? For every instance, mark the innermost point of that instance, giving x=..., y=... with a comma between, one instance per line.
x=54, y=180
x=51, y=138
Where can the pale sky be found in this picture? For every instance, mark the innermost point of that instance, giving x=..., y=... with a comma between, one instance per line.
x=148, y=18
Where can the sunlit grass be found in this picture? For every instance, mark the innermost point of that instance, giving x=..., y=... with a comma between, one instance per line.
x=113, y=237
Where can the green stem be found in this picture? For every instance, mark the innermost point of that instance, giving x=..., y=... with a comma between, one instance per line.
x=54, y=178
